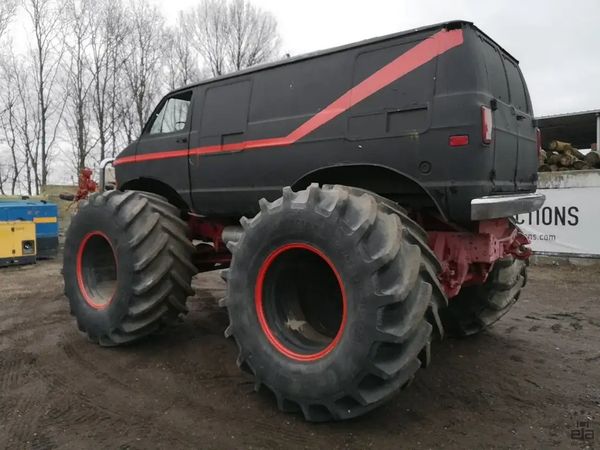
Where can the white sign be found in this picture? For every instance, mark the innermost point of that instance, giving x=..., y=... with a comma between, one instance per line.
x=569, y=220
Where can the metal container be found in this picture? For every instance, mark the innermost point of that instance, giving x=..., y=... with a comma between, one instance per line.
x=45, y=217
x=17, y=243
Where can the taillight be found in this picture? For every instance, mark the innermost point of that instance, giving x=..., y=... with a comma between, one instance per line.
x=486, y=125
x=458, y=140
x=538, y=141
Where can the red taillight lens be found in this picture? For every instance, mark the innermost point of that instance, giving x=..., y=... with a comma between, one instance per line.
x=458, y=140
x=538, y=140
x=486, y=125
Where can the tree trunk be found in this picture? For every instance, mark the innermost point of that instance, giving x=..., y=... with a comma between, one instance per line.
x=559, y=146
x=567, y=160
x=580, y=165
x=553, y=159
x=544, y=168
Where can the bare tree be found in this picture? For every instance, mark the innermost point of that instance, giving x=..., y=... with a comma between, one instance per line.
x=142, y=68
x=7, y=12
x=20, y=121
x=207, y=24
x=78, y=78
x=11, y=170
x=232, y=35
x=107, y=37
x=181, y=61
x=46, y=53
x=3, y=179
x=252, y=35
x=29, y=124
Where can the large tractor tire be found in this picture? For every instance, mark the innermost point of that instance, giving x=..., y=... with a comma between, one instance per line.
x=127, y=266
x=328, y=298
x=476, y=308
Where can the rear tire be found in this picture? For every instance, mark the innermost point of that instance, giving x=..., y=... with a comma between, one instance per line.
x=327, y=300
x=127, y=266
x=476, y=308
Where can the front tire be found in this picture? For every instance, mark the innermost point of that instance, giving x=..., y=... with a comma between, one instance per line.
x=327, y=300
x=127, y=266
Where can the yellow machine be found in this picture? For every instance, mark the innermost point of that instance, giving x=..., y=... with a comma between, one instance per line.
x=17, y=243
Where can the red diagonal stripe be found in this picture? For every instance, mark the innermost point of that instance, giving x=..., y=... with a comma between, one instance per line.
x=420, y=54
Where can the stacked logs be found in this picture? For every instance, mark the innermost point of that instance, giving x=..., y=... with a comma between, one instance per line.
x=562, y=156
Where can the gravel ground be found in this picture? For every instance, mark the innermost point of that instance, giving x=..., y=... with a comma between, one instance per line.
x=532, y=381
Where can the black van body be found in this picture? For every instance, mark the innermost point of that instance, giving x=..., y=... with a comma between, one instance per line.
x=400, y=115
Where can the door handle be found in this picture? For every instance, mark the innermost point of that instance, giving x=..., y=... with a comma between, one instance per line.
x=520, y=117
x=181, y=140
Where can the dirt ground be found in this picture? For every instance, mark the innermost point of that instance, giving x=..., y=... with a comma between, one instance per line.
x=529, y=382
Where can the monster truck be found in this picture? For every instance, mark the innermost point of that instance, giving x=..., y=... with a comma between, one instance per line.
x=358, y=201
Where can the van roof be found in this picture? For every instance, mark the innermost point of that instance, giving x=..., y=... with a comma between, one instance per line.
x=449, y=24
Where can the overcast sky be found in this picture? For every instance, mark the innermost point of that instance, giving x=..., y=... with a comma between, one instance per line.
x=556, y=41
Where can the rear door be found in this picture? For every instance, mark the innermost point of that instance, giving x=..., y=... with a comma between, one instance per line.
x=505, y=132
x=526, y=164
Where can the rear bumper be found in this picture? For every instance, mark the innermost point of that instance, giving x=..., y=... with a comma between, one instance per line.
x=498, y=206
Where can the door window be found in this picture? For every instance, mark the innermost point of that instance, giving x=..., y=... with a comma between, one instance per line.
x=173, y=115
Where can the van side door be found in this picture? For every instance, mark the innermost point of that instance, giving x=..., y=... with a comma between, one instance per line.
x=221, y=173
x=166, y=132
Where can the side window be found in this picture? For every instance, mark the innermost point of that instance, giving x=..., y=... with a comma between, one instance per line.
x=226, y=109
x=405, y=92
x=398, y=109
x=518, y=98
x=173, y=115
x=495, y=72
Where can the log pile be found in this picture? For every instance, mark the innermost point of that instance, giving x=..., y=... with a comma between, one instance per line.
x=562, y=156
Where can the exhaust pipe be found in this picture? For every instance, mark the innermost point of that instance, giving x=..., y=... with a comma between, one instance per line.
x=102, y=178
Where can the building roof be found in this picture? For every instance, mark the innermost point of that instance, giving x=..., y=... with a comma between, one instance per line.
x=578, y=128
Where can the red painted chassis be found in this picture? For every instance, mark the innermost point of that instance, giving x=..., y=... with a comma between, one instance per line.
x=466, y=257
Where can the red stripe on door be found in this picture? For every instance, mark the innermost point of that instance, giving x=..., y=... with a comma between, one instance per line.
x=420, y=54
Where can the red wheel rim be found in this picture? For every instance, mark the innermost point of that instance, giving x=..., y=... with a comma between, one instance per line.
x=260, y=309
x=97, y=298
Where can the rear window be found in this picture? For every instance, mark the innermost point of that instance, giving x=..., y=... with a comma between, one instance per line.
x=518, y=98
x=495, y=72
